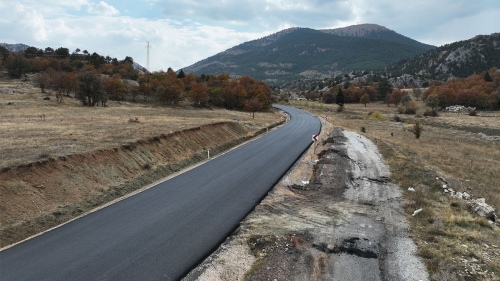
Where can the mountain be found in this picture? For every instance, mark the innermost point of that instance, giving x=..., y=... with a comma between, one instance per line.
x=307, y=53
x=375, y=31
x=15, y=47
x=459, y=59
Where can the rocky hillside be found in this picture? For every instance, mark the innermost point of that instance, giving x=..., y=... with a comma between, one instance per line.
x=375, y=31
x=14, y=47
x=459, y=59
x=307, y=53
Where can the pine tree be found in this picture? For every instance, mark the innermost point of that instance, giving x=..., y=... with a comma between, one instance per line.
x=340, y=98
x=487, y=77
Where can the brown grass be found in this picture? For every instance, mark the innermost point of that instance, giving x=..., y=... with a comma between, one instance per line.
x=451, y=146
x=32, y=128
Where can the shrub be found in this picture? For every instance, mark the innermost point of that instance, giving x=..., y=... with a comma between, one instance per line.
x=433, y=113
x=363, y=129
x=411, y=107
x=417, y=129
x=473, y=112
x=378, y=116
x=401, y=109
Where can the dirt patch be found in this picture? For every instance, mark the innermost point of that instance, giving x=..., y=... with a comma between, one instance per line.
x=335, y=216
x=39, y=195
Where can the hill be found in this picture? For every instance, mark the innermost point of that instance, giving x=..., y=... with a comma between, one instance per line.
x=15, y=47
x=459, y=59
x=307, y=53
x=376, y=31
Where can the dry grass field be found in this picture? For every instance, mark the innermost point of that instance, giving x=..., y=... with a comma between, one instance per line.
x=32, y=128
x=466, y=151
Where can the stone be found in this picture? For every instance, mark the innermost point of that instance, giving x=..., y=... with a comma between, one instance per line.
x=466, y=196
x=482, y=209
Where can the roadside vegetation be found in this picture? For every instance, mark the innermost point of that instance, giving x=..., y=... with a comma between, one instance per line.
x=462, y=149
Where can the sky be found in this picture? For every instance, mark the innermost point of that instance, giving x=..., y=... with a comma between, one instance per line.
x=183, y=32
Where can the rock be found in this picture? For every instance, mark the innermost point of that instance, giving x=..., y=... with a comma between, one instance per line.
x=466, y=196
x=482, y=209
x=417, y=211
x=411, y=189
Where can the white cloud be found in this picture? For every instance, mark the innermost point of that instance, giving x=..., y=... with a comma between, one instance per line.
x=193, y=30
x=102, y=9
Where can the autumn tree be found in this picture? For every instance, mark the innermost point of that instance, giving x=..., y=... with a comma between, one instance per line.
x=312, y=96
x=396, y=97
x=365, y=99
x=198, y=94
x=253, y=105
x=171, y=89
x=114, y=87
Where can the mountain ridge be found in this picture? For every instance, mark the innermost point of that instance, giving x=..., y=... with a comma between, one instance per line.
x=308, y=53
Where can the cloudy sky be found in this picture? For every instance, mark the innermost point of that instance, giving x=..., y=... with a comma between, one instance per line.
x=182, y=32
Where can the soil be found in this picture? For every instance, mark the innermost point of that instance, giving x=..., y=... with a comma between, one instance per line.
x=335, y=216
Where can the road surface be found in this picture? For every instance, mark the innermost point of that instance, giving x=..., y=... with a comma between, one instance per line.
x=163, y=232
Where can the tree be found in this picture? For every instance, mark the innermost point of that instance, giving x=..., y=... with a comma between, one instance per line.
x=417, y=92
x=365, y=99
x=432, y=101
x=90, y=90
x=18, y=66
x=383, y=89
x=41, y=80
x=198, y=94
x=406, y=99
x=253, y=105
x=62, y=52
x=181, y=74
x=396, y=96
x=114, y=87
x=339, y=100
x=31, y=52
x=487, y=77
x=328, y=98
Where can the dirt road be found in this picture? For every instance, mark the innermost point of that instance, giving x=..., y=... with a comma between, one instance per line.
x=335, y=216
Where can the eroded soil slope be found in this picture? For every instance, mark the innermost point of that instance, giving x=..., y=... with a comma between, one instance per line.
x=42, y=194
x=346, y=223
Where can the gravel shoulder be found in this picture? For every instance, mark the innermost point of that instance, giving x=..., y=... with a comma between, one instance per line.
x=335, y=216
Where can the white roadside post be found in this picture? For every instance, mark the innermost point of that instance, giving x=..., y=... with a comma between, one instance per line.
x=315, y=139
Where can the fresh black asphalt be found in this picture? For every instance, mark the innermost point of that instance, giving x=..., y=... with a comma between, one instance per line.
x=163, y=232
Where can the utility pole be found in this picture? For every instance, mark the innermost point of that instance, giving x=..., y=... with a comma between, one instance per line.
x=147, y=63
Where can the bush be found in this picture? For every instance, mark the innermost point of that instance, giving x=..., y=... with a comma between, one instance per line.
x=433, y=113
x=473, y=112
x=417, y=129
x=363, y=130
x=397, y=118
x=378, y=116
x=411, y=107
x=401, y=109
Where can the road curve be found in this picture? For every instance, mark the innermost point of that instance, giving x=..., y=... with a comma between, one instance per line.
x=164, y=231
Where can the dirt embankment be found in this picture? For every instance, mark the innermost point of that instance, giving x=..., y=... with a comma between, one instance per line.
x=37, y=196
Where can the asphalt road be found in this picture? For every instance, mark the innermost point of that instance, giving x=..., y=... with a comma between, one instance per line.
x=163, y=232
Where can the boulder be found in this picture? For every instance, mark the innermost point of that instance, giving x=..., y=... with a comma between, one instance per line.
x=482, y=209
